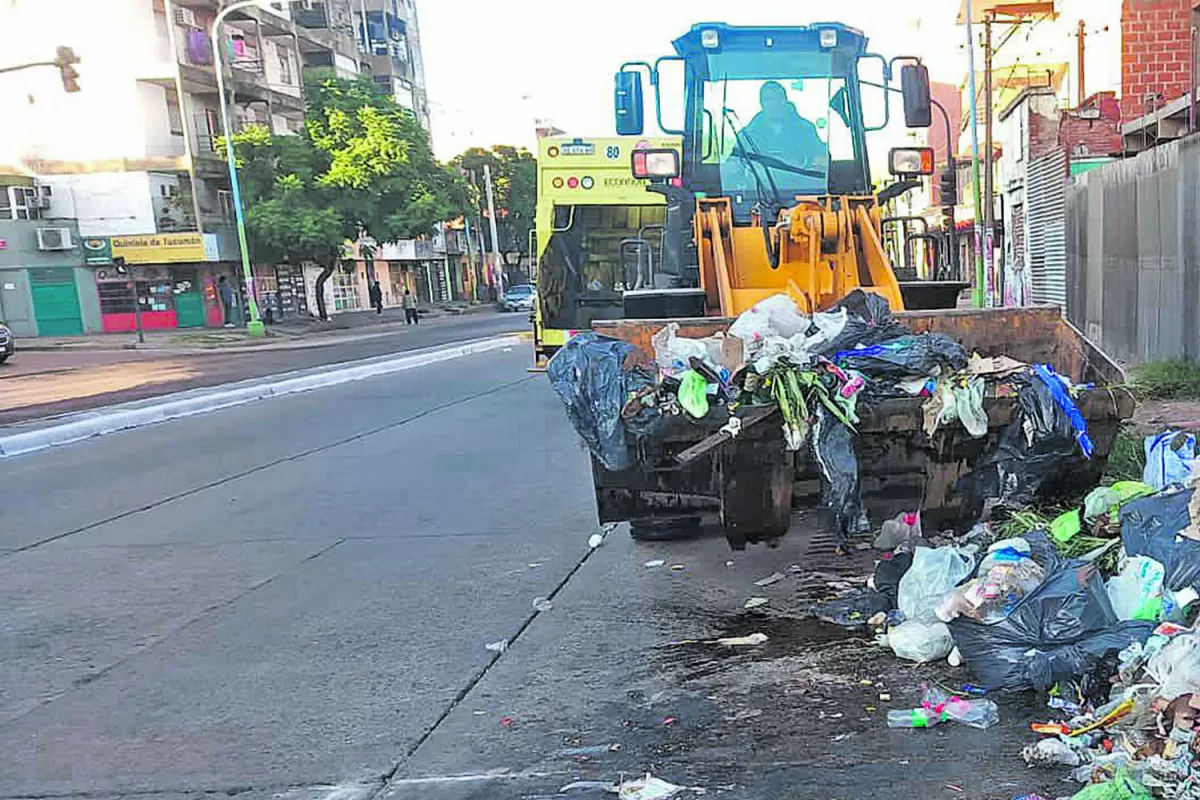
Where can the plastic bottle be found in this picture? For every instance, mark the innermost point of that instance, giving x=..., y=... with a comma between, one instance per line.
x=981, y=714
x=913, y=718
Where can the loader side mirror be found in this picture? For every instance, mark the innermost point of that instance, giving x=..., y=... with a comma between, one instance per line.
x=918, y=100
x=629, y=103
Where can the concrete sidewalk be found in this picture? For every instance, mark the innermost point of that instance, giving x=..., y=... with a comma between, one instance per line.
x=290, y=334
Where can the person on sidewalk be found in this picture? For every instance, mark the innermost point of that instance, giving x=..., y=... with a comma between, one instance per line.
x=410, y=308
x=376, y=293
x=226, y=293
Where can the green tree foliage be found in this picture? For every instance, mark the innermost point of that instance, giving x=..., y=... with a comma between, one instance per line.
x=514, y=184
x=361, y=167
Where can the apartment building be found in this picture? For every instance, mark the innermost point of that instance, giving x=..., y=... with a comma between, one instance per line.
x=129, y=164
x=390, y=37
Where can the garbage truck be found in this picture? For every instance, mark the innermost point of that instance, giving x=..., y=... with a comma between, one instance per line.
x=771, y=194
x=598, y=233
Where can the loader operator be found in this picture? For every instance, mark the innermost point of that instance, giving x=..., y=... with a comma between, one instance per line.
x=778, y=131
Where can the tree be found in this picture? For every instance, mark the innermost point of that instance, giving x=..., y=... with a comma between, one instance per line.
x=514, y=185
x=362, y=167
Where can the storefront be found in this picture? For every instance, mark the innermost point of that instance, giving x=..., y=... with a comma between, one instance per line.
x=171, y=278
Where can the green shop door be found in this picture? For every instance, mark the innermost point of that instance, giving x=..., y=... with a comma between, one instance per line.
x=55, y=301
x=189, y=309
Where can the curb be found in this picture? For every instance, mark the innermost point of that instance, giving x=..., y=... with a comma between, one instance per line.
x=101, y=422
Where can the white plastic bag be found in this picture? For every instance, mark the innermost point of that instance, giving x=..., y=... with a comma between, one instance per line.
x=1134, y=591
x=775, y=316
x=673, y=352
x=1176, y=668
x=933, y=574
x=916, y=641
x=1169, y=461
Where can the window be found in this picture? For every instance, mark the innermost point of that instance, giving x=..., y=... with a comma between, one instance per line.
x=174, y=117
x=285, y=64
x=212, y=121
x=20, y=202
x=225, y=203
x=345, y=291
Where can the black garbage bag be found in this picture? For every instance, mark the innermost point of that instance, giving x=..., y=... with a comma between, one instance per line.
x=590, y=377
x=841, y=490
x=1056, y=633
x=888, y=573
x=925, y=354
x=1150, y=527
x=869, y=320
x=1038, y=455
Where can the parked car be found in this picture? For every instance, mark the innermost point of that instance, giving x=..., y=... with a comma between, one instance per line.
x=8, y=343
x=518, y=298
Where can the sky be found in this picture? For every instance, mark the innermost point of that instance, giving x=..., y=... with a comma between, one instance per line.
x=494, y=69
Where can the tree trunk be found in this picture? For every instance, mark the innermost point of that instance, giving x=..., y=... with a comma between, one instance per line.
x=322, y=313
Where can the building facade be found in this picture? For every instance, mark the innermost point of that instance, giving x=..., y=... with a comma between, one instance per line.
x=130, y=163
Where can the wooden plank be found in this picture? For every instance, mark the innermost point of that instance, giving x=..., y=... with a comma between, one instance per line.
x=719, y=438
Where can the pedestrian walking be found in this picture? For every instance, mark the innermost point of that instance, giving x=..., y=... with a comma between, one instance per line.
x=225, y=290
x=410, y=308
x=376, y=292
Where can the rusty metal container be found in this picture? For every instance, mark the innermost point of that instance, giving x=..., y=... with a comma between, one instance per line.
x=754, y=483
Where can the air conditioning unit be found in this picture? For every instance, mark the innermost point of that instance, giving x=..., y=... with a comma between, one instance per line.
x=185, y=16
x=54, y=239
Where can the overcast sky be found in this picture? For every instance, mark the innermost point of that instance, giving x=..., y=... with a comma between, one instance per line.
x=494, y=69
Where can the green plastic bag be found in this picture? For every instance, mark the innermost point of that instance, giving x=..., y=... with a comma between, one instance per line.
x=693, y=393
x=1066, y=526
x=1121, y=787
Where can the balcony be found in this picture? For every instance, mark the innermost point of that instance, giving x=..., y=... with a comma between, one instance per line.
x=316, y=17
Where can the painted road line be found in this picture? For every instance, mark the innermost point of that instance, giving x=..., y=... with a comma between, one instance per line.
x=100, y=422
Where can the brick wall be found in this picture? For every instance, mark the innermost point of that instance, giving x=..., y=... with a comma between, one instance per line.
x=1156, y=52
x=1092, y=137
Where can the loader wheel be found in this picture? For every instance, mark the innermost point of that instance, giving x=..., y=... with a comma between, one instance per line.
x=664, y=529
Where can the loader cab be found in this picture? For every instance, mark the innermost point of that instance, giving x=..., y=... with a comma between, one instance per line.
x=769, y=114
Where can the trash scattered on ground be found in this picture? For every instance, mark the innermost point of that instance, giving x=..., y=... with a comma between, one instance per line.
x=593, y=750
x=678, y=567
x=541, y=604
x=507, y=722
x=595, y=540
x=497, y=647
x=757, y=602
x=752, y=640
x=774, y=577
x=655, y=563
x=937, y=706
x=649, y=788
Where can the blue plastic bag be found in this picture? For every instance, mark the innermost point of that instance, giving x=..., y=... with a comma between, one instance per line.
x=1168, y=459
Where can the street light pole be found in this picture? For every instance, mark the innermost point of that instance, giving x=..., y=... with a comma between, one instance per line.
x=254, y=325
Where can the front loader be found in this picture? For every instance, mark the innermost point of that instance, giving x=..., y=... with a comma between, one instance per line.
x=772, y=194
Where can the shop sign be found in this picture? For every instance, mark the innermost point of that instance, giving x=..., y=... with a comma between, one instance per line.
x=97, y=250
x=162, y=248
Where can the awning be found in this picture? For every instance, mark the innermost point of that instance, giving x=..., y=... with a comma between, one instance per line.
x=1004, y=10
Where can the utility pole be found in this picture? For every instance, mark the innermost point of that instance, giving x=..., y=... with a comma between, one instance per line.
x=499, y=265
x=989, y=179
x=979, y=293
x=1081, y=75
x=471, y=258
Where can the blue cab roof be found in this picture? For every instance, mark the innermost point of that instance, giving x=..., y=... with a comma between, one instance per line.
x=739, y=37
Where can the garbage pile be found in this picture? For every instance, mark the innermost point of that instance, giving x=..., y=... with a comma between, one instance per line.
x=820, y=371
x=1096, y=610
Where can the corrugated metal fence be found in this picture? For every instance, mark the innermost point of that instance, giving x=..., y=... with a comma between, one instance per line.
x=1047, y=199
x=1133, y=254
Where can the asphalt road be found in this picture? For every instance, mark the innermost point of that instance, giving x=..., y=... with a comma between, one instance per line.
x=292, y=599
x=37, y=384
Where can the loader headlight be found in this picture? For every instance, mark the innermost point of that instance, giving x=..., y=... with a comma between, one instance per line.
x=829, y=38
x=656, y=164
x=907, y=162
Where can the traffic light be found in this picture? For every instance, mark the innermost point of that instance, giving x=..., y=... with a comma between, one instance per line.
x=949, y=187
x=66, y=62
